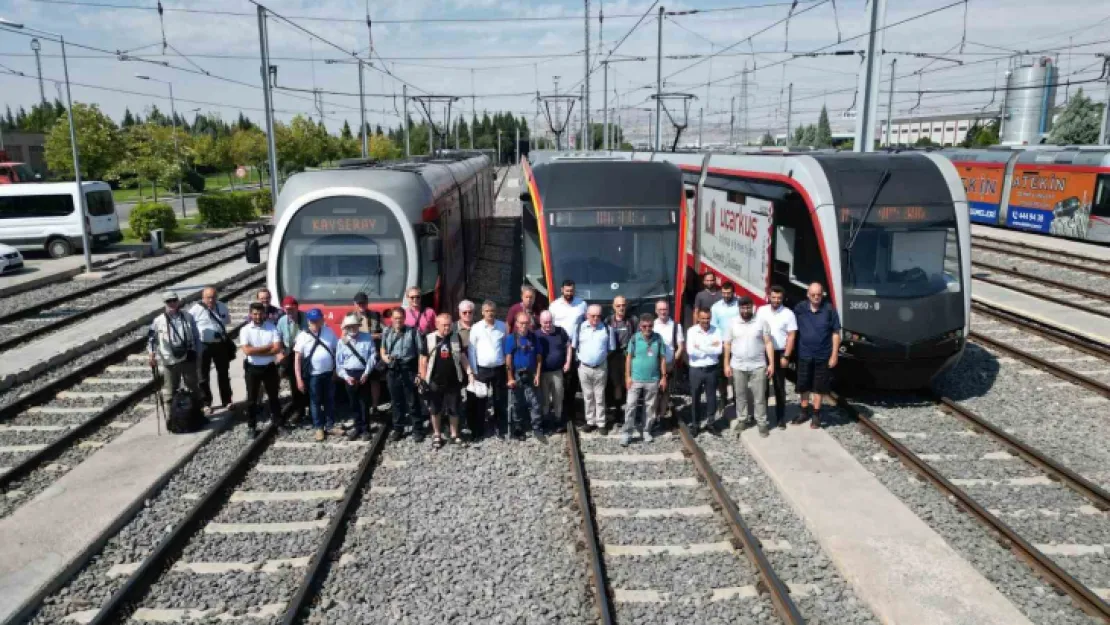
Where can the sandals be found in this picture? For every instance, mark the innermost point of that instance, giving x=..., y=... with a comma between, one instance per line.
x=437, y=441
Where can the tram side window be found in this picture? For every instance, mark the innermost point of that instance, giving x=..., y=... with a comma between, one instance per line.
x=1101, y=206
x=533, y=254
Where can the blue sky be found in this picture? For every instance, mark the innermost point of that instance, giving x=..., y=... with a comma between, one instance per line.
x=435, y=57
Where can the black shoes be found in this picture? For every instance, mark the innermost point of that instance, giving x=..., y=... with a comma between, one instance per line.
x=589, y=428
x=396, y=435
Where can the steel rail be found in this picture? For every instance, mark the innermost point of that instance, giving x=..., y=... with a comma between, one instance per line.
x=1075, y=341
x=60, y=444
x=589, y=527
x=1046, y=250
x=1063, y=286
x=114, y=608
x=100, y=285
x=1061, y=372
x=751, y=546
x=992, y=247
x=1087, y=600
x=1042, y=296
x=1090, y=491
x=333, y=536
x=67, y=320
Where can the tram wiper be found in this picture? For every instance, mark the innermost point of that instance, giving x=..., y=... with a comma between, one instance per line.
x=867, y=212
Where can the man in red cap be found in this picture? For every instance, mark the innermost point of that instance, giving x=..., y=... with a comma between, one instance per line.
x=289, y=326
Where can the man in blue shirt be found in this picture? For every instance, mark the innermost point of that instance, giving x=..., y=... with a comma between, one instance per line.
x=818, y=346
x=593, y=340
x=523, y=356
x=558, y=357
x=721, y=315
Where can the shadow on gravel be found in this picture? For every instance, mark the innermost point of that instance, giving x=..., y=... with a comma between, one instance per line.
x=972, y=377
x=868, y=404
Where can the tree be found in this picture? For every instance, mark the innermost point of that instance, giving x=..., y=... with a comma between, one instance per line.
x=381, y=148
x=823, y=138
x=101, y=147
x=1078, y=124
x=128, y=119
x=767, y=139
x=214, y=152
x=150, y=156
x=248, y=147
x=810, y=137
x=981, y=136
x=799, y=136
x=346, y=133
x=924, y=142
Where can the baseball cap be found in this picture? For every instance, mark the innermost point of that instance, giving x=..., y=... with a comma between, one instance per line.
x=745, y=300
x=314, y=315
x=361, y=298
x=169, y=296
x=288, y=300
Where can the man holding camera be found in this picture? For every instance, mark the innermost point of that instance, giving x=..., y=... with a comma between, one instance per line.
x=400, y=350
x=174, y=343
x=444, y=371
x=212, y=318
x=523, y=356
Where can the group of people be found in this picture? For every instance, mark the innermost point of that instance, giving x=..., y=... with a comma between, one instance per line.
x=524, y=371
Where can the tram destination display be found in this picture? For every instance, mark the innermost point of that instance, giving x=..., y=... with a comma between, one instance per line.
x=343, y=225
x=895, y=214
x=612, y=218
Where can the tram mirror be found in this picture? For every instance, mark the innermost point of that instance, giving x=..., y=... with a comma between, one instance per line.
x=252, y=253
x=690, y=194
x=526, y=197
x=430, y=248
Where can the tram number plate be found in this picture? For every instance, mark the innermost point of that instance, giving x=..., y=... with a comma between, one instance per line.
x=863, y=305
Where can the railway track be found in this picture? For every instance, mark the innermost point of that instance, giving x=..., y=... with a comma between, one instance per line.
x=1056, y=258
x=257, y=543
x=50, y=429
x=663, y=508
x=59, y=311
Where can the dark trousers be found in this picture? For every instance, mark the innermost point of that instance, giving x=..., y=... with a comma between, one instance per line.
x=615, y=391
x=300, y=400
x=358, y=396
x=215, y=354
x=571, y=386
x=498, y=383
x=704, y=379
x=258, y=378
x=402, y=394
x=778, y=381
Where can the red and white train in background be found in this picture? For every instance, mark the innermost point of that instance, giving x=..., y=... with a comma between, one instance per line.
x=378, y=229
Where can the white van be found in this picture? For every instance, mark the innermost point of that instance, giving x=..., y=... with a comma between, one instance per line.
x=46, y=216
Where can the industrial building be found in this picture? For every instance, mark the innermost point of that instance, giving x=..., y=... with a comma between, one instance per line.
x=25, y=147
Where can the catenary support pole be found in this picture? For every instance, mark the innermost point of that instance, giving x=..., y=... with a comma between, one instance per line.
x=1104, y=132
x=405, y=122
x=36, y=46
x=890, y=101
x=732, y=122
x=267, y=97
x=869, y=78
x=789, y=112
x=516, y=151
x=659, y=85
x=605, y=103
x=82, y=203
x=701, y=119
x=176, y=149
x=362, y=113
x=586, y=89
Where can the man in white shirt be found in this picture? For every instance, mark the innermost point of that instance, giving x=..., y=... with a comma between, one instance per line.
x=749, y=359
x=260, y=342
x=212, y=318
x=784, y=331
x=567, y=312
x=704, y=346
x=592, y=342
x=315, y=368
x=674, y=342
x=487, y=361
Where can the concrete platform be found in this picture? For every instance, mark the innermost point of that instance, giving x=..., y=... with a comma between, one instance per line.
x=24, y=362
x=1041, y=242
x=1066, y=318
x=903, y=570
x=65, y=525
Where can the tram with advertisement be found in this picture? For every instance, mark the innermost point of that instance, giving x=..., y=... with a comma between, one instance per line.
x=1062, y=192
x=874, y=229
x=379, y=228
x=611, y=224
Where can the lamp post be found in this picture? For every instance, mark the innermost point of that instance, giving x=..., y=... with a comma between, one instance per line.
x=173, y=122
x=72, y=140
x=196, y=119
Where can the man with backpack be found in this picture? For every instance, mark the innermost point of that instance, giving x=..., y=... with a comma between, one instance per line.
x=645, y=374
x=445, y=370
x=593, y=340
x=523, y=356
x=174, y=344
x=315, y=368
x=623, y=330
x=289, y=327
x=557, y=360
x=400, y=350
x=354, y=361
x=212, y=318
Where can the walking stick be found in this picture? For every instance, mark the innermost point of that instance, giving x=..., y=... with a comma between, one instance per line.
x=160, y=401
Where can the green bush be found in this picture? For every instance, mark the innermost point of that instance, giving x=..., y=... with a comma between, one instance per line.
x=148, y=216
x=262, y=201
x=192, y=182
x=225, y=210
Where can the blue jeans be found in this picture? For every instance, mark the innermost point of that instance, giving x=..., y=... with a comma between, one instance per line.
x=321, y=399
x=525, y=400
x=402, y=395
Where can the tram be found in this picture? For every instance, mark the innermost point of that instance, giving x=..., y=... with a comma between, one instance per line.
x=611, y=224
x=1063, y=192
x=379, y=228
x=875, y=229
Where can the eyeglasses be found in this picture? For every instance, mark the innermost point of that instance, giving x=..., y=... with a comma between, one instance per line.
x=466, y=312
x=414, y=297
x=620, y=305
x=593, y=316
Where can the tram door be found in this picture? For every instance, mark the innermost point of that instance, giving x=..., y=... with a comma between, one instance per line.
x=796, y=259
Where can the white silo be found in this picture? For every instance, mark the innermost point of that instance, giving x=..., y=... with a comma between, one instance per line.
x=1029, y=100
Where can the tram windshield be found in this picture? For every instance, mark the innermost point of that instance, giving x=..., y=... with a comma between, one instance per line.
x=336, y=247
x=637, y=261
x=899, y=251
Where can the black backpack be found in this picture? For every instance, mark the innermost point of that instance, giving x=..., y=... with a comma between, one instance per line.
x=185, y=414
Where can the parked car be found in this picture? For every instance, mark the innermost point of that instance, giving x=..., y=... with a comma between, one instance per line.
x=10, y=259
x=14, y=173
